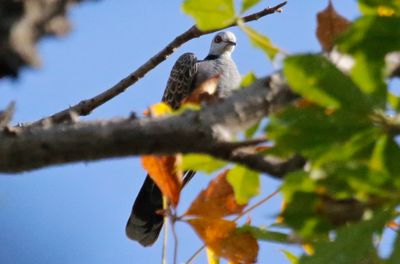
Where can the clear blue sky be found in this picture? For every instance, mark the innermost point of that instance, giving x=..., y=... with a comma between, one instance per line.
x=77, y=213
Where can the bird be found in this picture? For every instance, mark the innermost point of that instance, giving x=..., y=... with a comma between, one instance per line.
x=145, y=223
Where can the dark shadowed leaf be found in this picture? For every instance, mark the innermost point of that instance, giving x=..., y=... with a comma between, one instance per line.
x=318, y=80
x=353, y=244
x=395, y=256
x=369, y=39
x=312, y=131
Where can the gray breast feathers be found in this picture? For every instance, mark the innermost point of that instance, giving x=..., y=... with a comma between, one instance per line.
x=225, y=68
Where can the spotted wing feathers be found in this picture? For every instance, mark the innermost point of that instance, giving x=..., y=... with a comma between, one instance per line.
x=180, y=82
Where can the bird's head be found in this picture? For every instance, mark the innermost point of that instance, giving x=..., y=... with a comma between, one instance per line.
x=223, y=43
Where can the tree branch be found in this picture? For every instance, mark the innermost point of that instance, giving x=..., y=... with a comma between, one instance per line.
x=86, y=106
x=206, y=131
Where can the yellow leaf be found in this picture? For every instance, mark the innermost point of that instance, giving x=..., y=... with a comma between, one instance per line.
x=330, y=25
x=308, y=248
x=157, y=110
x=211, y=257
x=385, y=11
x=217, y=201
x=163, y=171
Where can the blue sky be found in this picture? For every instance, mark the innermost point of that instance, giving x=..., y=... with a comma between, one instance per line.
x=77, y=213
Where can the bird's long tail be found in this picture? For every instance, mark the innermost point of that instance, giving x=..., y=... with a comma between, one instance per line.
x=144, y=223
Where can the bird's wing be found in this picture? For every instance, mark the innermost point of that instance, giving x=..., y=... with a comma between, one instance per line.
x=180, y=82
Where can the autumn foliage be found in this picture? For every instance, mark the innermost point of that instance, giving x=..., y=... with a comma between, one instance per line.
x=345, y=124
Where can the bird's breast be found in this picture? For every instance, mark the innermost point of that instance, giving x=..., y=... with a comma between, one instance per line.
x=229, y=76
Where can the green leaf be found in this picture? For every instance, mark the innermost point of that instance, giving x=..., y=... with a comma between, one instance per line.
x=245, y=183
x=384, y=163
x=319, y=81
x=247, y=4
x=358, y=146
x=394, y=102
x=210, y=15
x=301, y=215
x=395, y=256
x=261, y=233
x=369, y=39
x=372, y=35
x=368, y=74
x=290, y=256
x=379, y=7
x=311, y=131
x=260, y=41
x=353, y=244
x=203, y=163
x=248, y=79
x=186, y=107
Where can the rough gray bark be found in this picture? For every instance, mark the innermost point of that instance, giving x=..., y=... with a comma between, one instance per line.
x=205, y=131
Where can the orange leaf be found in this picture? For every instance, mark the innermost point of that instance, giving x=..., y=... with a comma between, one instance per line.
x=222, y=237
x=330, y=25
x=302, y=103
x=217, y=201
x=393, y=225
x=203, y=92
x=163, y=171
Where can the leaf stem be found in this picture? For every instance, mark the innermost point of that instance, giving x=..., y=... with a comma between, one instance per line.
x=165, y=242
x=195, y=254
x=256, y=205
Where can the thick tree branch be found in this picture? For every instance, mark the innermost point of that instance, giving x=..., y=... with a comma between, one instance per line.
x=86, y=106
x=206, y=131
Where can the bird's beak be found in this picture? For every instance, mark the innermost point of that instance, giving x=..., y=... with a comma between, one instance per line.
x=229, y=42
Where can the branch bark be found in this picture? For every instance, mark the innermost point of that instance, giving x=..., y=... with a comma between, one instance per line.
x=86, y=106
x=205, y=131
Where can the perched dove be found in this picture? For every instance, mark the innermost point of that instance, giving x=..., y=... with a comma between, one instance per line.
x=144, y=224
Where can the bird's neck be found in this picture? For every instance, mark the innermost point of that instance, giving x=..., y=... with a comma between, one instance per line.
x=211, y=56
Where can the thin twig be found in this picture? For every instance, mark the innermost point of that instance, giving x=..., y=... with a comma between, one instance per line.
x=195, y=254
x=165, y=242
x=174, y=234
x=84, y=107
x=256, y=205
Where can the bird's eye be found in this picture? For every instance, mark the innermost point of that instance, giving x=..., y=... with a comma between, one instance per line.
x=217, y=39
